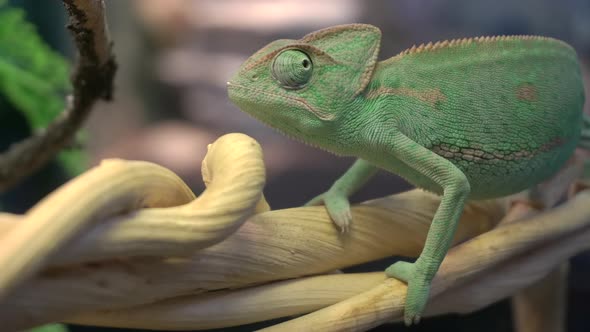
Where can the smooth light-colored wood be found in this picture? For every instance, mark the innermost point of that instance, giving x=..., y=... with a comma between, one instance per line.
x=180, y=282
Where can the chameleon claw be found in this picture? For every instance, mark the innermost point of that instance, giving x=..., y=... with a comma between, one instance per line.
x=339, y=210
x=342, y=219
x=337, y=206
x=408, y=321
x=418, y=289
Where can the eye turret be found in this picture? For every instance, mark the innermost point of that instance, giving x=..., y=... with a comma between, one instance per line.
x=292, y=69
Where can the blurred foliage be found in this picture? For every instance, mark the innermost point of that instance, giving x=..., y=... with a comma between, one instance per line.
x=33, y=77
x=73, y=159
x=50, y=328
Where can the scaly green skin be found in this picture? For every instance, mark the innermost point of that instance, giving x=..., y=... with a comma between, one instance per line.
x=467, y=119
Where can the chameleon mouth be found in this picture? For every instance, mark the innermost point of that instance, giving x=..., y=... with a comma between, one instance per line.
x=289, y=99
x=296, y=135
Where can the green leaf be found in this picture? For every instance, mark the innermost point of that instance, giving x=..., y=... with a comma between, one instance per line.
x=50, y=328
x=73, y=159
x=33, y=77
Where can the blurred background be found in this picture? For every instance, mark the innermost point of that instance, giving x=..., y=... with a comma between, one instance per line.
x=175, y=57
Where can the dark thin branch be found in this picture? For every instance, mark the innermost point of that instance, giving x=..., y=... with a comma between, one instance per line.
x=92, y=79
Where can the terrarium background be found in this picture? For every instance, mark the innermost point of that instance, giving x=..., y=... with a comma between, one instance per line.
x=176, y=55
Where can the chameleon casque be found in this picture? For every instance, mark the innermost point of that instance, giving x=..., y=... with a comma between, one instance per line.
x=472, y=118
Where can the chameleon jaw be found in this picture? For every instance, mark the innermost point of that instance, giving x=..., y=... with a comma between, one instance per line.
x=298, y=101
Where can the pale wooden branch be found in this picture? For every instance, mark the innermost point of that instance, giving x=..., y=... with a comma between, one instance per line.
x=565, y=231
x=542, y=306
x=231, y=308
x=117, y=187
x=270, y=246
x=292, y=297
x=169, y=231
x=174, y=285
x=92, y=80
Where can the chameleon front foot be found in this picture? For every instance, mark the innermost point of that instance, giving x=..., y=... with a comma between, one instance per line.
x=418, y=289
x=336, y=198
x=338, y=208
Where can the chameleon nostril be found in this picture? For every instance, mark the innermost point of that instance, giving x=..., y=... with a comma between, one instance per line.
x=254, y=77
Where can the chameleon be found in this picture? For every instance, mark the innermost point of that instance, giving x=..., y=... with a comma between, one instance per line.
x=472, y=118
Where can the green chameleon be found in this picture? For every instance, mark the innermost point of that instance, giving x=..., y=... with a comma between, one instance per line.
x=472, y=118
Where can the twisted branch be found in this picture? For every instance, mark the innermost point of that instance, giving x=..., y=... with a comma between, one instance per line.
x=182, y=279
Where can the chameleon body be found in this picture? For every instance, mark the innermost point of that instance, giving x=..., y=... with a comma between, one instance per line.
x=468, y=119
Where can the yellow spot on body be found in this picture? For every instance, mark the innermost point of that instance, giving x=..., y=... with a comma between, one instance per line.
x=526, y=92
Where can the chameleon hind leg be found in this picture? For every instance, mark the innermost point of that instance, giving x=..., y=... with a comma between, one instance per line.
x=336, y=198
x=455, y=187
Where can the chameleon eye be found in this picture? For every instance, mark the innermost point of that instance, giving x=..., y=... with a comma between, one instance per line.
x=292, y=68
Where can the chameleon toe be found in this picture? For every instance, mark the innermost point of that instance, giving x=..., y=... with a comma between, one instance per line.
x=401, y=270
x=339, y=211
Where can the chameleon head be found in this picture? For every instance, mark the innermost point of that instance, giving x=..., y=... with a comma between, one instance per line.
x=303, y=87
x=276, y=86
